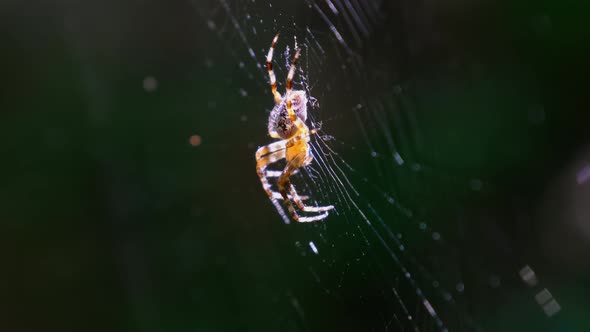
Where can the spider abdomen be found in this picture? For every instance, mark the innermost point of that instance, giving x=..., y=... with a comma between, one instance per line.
x=279, y=120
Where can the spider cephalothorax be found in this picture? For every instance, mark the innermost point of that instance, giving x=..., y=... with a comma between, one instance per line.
x=287, y=122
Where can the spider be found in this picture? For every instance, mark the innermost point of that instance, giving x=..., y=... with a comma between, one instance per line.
x=287, y=123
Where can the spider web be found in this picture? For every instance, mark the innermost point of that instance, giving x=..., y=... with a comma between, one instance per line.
x=402, y=250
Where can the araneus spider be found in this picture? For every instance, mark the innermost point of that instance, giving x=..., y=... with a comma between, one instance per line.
x=287, y=122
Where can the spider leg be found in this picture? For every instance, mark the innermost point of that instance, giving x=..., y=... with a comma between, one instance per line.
x=271, y=73
x=265, y=156
x=263, y=174
x=276, y=174
x=285, y=184
x=273, y=134
x=276, y=195
x=261, y=164
x=296, y=120
x=271, y=148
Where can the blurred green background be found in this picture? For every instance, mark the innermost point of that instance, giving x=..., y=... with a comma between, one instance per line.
x=113, y=221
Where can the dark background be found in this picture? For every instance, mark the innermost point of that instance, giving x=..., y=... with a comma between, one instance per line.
x=112, y=221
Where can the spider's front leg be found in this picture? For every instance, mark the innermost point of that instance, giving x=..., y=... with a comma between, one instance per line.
x=271, y=73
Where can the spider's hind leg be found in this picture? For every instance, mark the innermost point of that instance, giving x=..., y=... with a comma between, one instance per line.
x=265, y=156
x=285, y=184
